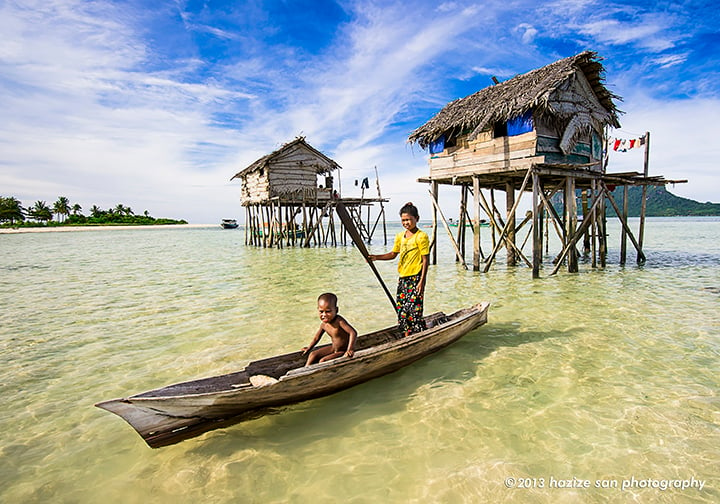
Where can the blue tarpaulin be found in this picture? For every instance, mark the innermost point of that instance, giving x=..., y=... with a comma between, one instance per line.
x=521, y=124
x=438, y=145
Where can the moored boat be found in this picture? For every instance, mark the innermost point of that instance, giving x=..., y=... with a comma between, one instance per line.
x=171, y=414
x=229, y=224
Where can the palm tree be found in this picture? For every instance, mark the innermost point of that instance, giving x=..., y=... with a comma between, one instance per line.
x=95, y=211
x=76, y=209
x=62, y=208
x=41, y=211
x=119, y=209
x=11, y=209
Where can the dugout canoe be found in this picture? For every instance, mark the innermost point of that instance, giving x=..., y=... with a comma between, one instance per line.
x=171, y=414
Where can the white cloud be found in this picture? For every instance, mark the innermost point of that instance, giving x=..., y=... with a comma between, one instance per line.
x=527, y=32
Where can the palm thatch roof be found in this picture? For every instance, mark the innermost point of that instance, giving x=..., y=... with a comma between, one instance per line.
x=534, y=90
x=322, y=163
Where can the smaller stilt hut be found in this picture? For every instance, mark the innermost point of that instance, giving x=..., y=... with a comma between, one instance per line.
x=289, y=197
x=542, y=132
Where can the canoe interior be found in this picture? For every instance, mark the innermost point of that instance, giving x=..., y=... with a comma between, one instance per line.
x=277, y=366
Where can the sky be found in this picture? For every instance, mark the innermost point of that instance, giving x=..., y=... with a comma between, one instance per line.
x=157, y=104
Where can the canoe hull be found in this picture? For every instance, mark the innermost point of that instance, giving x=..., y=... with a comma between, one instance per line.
x=170, y=414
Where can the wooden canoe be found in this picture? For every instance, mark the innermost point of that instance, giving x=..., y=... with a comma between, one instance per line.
x=171, y=414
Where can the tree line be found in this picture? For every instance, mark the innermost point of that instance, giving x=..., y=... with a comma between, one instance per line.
x=62, y=212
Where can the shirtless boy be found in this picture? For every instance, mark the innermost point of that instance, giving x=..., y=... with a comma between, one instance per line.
x=342, y=334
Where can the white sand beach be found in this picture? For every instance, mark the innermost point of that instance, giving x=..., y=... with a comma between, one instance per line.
x=97, y=228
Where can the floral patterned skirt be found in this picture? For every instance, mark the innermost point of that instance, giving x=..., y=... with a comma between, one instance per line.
x=409, y=305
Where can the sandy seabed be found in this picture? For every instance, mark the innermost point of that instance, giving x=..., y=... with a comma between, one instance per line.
x=97, y=228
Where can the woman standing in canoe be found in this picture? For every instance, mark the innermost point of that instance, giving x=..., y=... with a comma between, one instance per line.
x=413, y=247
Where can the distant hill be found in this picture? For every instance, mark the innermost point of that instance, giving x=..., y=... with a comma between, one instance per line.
x=662, y=203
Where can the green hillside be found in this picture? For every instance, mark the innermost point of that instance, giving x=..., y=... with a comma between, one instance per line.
x=662, y=203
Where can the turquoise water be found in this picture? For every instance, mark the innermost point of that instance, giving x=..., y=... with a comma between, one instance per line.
x=609, y=377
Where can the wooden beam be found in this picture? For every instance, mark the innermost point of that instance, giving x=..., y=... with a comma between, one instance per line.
x=537, y=237
x=458, y=254
x=507, y=226
x=646, y=168
x=477, y=251
x=572, y=241
x=641, y=256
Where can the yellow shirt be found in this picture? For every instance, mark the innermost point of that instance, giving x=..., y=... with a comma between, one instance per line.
x=411, y=251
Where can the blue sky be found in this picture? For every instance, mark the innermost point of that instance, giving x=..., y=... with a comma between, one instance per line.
x=156, y=105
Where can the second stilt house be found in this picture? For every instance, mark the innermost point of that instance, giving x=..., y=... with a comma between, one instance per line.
x=289, y=197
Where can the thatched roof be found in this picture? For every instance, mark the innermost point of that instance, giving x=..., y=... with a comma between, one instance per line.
x=324, y=164
x=512, y=98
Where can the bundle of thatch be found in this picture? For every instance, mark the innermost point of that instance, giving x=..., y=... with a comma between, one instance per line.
x=568, y=95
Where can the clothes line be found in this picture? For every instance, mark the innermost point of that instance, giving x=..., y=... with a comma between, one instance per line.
x=625, y=144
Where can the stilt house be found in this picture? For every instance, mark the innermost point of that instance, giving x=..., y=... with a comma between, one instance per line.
x=542, y=131
x=554, y=115
x=290, y=173
x=289, y=197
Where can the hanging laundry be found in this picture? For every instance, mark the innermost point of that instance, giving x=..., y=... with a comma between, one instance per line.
x=624, y=144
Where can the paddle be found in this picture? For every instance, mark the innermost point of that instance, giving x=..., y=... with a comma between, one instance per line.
x=357, y=239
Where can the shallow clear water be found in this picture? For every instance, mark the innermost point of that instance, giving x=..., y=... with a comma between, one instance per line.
x=605, y=375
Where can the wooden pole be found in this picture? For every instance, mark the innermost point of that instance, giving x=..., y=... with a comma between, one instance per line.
x=602, y=226
x=434, y=192
x=571, y=241
x=458, y=254
x=461, y=223
x=510, y=223
x=646, y=168
x=537, y=236
x=586, y=238
x=357, y=239
x=477, y=251
x=382, y=207
x=570, y=222
x=247, y=224
x=641, y=256
x=593, y=213
x=494, y=228
x=623, y=234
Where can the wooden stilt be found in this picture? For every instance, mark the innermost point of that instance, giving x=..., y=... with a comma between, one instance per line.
x=537, y=219
x=433, y=245
x=458, y=254
x=641, y=256
x=623, y=234
x=476, y=224
x=586, y=238
x=643, y=203
x=510, y=226
x=570, y=222
x=510, y=245
x=495, y=229
x=570, y=243
x=593, y=224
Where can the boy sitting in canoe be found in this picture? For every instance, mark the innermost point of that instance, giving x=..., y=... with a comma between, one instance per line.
x=342, y=334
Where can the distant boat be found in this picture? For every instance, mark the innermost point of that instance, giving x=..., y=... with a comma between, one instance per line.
x=184, y=410
x=229, y=224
